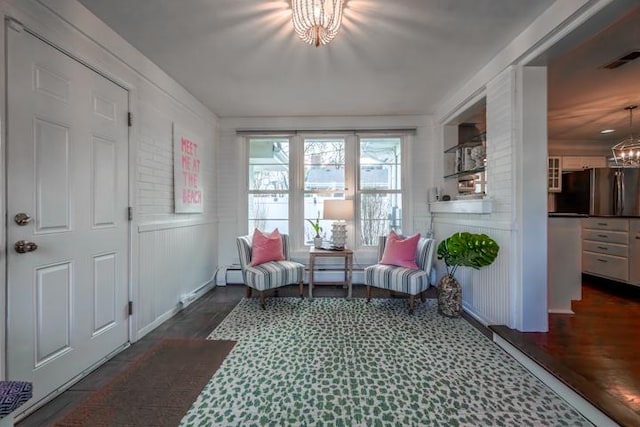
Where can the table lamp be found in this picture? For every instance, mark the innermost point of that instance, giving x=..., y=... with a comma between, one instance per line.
x=340, y=211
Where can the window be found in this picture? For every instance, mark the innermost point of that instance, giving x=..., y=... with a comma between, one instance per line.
x=268, y=184
x=324, y=178
x=291, y=177
x=380, y=188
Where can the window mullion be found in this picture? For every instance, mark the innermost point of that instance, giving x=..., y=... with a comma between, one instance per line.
x=297, y=194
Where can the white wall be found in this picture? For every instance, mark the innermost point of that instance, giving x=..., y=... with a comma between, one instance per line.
x=232, y=187
x=171, y=254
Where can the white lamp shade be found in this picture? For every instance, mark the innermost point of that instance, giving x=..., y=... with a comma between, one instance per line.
x=338, y=209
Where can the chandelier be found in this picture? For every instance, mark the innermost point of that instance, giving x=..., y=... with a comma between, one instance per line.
x=626, y=153
x=317, y=21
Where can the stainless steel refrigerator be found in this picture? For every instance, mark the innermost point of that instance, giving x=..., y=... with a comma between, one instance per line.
x=615, y=191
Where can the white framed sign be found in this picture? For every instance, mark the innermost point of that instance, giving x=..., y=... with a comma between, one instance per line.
x=187, y=189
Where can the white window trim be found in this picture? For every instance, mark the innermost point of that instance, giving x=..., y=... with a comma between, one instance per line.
x=296, y=180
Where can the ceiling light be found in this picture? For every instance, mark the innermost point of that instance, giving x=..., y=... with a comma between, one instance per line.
x=626, y=153
x=317, y=21
x=605, y=131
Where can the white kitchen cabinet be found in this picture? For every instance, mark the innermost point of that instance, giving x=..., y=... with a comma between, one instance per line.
x=573, y=163
x=554, y=174
x=605, y=248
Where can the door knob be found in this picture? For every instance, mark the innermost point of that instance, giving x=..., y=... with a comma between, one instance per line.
x=22, y=246
x=22, y=218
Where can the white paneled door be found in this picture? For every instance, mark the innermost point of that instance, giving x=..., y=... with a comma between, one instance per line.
x=67, y=230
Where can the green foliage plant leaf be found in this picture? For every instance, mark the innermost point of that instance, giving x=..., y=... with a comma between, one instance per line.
x=467, y=250
x=316, y=226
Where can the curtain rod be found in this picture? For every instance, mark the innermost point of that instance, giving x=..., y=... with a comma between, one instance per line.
x=322, y=131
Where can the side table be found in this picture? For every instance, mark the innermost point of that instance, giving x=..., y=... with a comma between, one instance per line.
x=347, y=254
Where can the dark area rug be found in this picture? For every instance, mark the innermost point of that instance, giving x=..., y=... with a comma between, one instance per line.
x=157, y=389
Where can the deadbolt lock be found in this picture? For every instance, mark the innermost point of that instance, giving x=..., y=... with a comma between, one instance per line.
x=22, y=218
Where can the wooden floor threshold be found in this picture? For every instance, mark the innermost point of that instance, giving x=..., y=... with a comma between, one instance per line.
x=607, y=404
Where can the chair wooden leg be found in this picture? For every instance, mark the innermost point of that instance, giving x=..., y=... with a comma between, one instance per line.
x=276, y=293
x=412, y=303
x=423, y=296
x=301, y=286
x=247, y=292
x=262, y=298
x=368, y=293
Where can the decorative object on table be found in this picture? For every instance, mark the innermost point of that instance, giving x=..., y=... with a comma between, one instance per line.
x=317, y=239
x=338, y=210
x=461, y=250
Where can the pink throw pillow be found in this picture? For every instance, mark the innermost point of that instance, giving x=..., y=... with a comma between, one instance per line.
x=400, y=252
x=266, y=247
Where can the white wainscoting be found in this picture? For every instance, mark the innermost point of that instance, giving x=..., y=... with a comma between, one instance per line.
x=486, y=293
x=174, y=261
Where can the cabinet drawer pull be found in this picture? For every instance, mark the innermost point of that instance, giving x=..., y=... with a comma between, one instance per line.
x=602, y=260
x=603, y=248
x=603, y=223
x=637, y=237
x=604, y=236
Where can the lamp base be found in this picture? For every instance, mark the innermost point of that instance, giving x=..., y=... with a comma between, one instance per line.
x=339, y=234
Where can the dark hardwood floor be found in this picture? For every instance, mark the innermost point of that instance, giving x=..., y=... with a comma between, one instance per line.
x=595, y=351
x=196, y=321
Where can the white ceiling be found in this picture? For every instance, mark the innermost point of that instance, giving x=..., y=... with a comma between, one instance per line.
x=242, y=57
x=585, y=98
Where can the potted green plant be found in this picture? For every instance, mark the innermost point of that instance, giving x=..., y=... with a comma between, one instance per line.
x=461, y=250
x=317, y=239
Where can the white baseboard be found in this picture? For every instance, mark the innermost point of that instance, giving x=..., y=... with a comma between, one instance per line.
x=158, y=321
x=184, y=299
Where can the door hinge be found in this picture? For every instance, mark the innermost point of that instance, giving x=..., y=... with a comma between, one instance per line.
x=130, y=308
x=130, y=213
x=129, y=119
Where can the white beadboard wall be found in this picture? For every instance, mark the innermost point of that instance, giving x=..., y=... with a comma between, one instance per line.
x=172, y=254
x=176, y=252
x=174, y=260
x=488, y=293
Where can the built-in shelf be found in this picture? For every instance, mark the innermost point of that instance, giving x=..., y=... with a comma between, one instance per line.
x=477, y=206
x=463, y=173
x=475, y=141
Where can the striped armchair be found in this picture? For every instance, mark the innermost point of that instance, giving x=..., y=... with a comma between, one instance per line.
x=270, y=275
x=400, y=279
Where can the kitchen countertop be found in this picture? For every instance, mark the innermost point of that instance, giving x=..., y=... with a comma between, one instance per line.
x=567, y=215
x=575, y=215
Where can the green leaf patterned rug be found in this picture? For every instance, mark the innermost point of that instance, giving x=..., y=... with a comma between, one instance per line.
x=336, y=362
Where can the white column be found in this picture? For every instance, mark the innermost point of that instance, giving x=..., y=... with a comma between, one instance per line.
x=531, y=199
